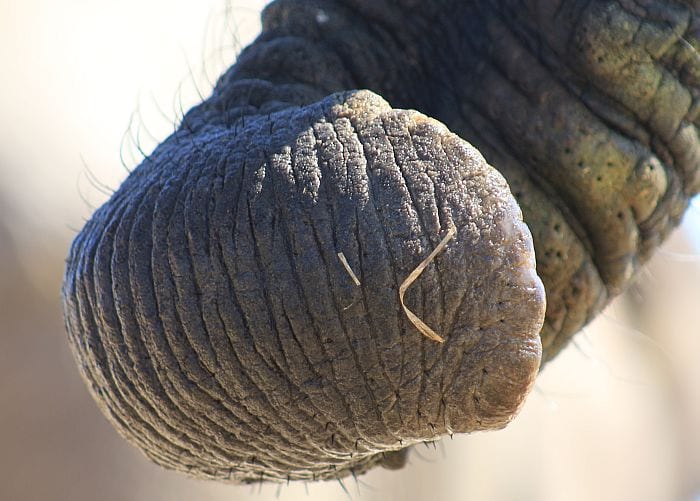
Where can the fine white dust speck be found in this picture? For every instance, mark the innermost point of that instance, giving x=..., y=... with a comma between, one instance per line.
x=321, y=17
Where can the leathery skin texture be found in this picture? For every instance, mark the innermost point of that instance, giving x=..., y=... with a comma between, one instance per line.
x=234, y=307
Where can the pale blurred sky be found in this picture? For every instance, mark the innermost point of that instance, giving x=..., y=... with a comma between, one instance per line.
x=76, y=73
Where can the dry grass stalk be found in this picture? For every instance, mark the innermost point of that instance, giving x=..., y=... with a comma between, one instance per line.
x=420, y=325
x=341, y=256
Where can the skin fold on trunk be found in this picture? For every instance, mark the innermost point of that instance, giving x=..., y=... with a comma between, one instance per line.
x=236, y=307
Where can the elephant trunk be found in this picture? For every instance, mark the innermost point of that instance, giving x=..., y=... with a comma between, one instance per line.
x=236, y=306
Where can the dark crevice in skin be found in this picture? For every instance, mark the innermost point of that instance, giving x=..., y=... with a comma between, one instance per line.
x=195, y=371
x=95, y=354
x=330, y=350
x=149, y=412
x=297, y=427
x=437, y=199
x=175, y=345
x=330, y=262
x=123, y=226
x=366, y=304
x=369, y=355
x=287, y=221
x=249, y=221
x=386, y=250
x=229, y=328
x=268, y=300
x=206, y=305
x=296, y=340
x=379, y=217
x=240, y=348
x=126, y=234
x=294, y=423
x=424, y=233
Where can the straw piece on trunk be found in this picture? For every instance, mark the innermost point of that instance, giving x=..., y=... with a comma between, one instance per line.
x=420, y=325
x=341, y=256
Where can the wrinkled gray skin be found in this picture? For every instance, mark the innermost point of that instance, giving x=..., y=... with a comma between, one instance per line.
x=206, y=303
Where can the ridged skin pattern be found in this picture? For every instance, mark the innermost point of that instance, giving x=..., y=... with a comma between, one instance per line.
x=220, y=330
x=206, y=302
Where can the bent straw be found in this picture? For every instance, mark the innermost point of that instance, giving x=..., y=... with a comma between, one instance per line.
x=417, y=322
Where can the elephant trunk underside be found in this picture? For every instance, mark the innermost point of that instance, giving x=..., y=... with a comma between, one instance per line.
x=207, y=303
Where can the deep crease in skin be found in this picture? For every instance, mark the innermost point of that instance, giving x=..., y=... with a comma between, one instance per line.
x=228, y=328
x=200, y=372
x=118, y=366
x=128, y=305
x=317, y=322
x=423, y=231
x=405, y=361
x=427, y=371
x=386, y=250
x=374, y=207
x=247, y=210
x=172, y=345
x=328, y=264
x=257, y=254
x=204, y=322
x=311, y=365
x=289, y=246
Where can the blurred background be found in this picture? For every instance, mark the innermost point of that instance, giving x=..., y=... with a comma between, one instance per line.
x=86, y=88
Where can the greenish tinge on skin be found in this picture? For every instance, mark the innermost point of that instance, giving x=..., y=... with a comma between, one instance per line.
x=206, y=304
